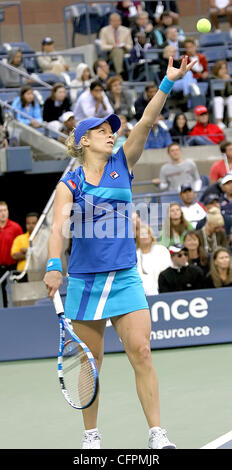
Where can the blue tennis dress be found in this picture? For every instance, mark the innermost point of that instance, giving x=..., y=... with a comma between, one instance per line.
x=103, y=278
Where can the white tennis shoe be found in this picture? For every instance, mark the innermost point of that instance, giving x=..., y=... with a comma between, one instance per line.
x=158, y=439
x=91, y=440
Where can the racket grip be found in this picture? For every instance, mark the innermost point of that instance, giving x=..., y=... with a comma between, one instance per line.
x=58, y=304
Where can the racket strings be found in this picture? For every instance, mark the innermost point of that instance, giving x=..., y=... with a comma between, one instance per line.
x=78, y=374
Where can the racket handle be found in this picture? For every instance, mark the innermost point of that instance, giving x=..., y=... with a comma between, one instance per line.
x=58, y=304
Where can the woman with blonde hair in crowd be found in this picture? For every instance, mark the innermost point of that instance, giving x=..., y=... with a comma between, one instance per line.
x=213, y=234
x=152, y=258
x=223, y=97
x=175, y=226
x=220, y=274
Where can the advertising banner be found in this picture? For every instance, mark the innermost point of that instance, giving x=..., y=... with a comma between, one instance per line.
x=179, y=319
x=185, y=319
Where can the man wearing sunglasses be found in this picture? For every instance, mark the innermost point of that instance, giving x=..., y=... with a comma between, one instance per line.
x=180, y=276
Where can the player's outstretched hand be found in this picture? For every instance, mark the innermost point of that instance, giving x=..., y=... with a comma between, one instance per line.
x=173, y=73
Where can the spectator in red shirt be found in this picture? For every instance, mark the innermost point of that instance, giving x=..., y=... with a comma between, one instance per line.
x=205, y=133
x=8, y=231
x=224, y=166
x=200, y=68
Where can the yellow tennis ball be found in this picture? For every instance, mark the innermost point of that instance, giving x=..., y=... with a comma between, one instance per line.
x=203, y=25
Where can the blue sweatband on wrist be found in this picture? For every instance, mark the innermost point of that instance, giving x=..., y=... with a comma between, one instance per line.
x=54, y=264
x=166, y=85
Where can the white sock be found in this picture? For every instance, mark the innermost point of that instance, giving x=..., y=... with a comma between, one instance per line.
x=154, y=428
x=91, y=431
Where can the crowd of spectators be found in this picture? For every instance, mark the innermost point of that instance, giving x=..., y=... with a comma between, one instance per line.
x=185, y=257
x=14, y=245
x=197, y=236
x=194, y=247
x=132, y=29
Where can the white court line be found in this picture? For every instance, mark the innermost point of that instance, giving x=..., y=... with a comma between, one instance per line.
x=219, y=442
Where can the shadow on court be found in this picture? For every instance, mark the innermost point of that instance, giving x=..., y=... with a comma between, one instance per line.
x=195, y=396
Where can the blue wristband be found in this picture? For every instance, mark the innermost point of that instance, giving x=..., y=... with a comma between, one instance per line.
x=54, y=264
x=166, y=85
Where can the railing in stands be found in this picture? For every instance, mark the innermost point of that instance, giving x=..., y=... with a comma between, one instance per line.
x=25, y=75
x=44, y=125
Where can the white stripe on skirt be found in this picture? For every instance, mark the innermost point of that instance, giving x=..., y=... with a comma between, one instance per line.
x=104, y=295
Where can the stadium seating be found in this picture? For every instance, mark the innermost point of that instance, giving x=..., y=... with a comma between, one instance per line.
x=229, y=52
x=87, y=18
x=104, y=11
x=137, y=86
x=50, y=78
x=78, y=57
x=24, y=46
x=212, y=39
x=3, y=52
x=203, y=87
x=215, y=53
x=70, y=12
x=216, y=85
x=229, y=63
x=131, y=69
x=8, y=94
x=70, y=74
x=29, y=55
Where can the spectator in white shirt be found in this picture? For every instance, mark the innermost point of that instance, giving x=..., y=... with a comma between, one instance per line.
x=51, y=61
x=92, y=103
x=193, y=210
x=152, y=258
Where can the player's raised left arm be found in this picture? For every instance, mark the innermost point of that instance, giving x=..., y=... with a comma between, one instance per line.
x=135, y=143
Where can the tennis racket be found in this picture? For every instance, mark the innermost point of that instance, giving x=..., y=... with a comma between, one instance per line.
x=77, y=370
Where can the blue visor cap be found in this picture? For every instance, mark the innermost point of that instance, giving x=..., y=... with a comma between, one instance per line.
x=90, y=123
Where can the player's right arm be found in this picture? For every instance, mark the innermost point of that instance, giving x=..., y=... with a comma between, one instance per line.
x=61, y=212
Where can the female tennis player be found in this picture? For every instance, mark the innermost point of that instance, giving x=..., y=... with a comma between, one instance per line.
x=103, y=279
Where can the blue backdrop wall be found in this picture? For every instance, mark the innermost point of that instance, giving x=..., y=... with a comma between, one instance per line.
x=178, y=319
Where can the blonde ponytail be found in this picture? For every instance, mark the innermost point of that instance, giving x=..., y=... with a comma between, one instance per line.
x=73, y=150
